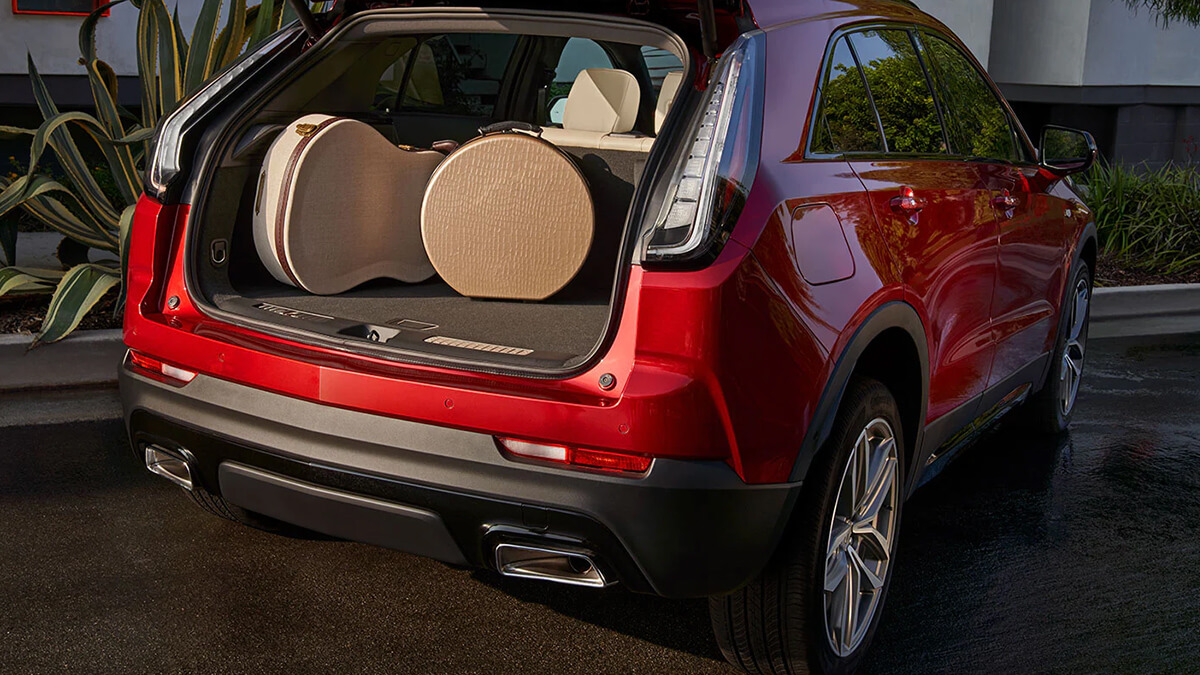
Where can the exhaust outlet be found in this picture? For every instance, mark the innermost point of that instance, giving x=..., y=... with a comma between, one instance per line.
x=174, y=465
x=534, y=562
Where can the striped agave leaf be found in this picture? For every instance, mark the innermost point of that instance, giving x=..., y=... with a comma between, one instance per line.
x=168, y=68
x=78, y=291
x=104, y=92
x=23, y=280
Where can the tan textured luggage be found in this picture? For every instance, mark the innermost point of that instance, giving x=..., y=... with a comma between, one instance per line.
x=507, y=215
x=337, y=204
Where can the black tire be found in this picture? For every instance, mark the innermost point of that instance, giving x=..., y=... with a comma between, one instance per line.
x=776, y=624
x=1043, y=413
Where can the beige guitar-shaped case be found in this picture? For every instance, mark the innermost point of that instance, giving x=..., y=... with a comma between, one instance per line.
x=337, y=205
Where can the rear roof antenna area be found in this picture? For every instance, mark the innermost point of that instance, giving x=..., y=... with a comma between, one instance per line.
x=300, y=7
x=708, y=28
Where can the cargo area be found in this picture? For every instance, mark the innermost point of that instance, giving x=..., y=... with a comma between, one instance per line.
x=527, y=244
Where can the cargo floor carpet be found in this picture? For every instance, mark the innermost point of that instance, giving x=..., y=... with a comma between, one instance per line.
x=568, y=324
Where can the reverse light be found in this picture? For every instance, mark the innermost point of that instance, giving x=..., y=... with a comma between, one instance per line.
x=714, y=173
x=560, y=454
x=153, y=366
x=166, y=155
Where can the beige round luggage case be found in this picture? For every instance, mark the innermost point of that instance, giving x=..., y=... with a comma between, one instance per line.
x=337, y=204
x=507, y=215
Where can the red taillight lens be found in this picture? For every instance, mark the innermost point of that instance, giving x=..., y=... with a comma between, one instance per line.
x=151, y=365
x=560, y=454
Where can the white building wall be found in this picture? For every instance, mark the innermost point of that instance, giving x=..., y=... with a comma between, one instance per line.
x=1040, y=41
x=54, y=40
x=971, y=21
x=1131, y=48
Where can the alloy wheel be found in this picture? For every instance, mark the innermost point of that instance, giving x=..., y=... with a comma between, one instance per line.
x=861, y=533
x=1071, y=369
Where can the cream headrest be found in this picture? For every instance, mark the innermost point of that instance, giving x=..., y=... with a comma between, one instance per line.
x=666, y=96
x=603, y=100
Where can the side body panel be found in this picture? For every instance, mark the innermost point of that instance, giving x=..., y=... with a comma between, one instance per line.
x=1032, y=267
x=947, y=256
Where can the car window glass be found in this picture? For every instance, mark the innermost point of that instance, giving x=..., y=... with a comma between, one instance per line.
x=578, y=55
x=900, y=90
x=458, y=74
x=975, y=119
x=388, y=88
x=660, y=63
x=846, y=122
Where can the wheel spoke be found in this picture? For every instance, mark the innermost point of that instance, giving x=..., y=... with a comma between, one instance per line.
x=870, y=535
x=880, y=489
x=1079, y=312
x=835, y=571
x=859, y=467
x=864, y=570
x=850, y=619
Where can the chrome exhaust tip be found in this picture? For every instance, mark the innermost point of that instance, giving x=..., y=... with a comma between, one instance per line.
x=174, y=465
x=547, y=564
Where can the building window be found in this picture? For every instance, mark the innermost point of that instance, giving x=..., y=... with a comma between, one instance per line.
x=60, y=7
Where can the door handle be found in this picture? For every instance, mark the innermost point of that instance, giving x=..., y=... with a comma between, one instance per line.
x=908, y=202
x=1006, y=201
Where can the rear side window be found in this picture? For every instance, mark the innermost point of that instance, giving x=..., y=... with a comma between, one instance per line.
x=975, y=119
x=660, y=63
x=845, y=122
x=900, y=90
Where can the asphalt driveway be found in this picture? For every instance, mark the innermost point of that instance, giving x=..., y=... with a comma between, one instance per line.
x=1078, y=554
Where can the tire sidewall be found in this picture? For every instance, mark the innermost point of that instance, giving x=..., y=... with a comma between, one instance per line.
x=879, y=403
x=1054, y=384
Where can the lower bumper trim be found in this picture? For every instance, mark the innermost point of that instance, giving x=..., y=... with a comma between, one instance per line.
x=339, y=514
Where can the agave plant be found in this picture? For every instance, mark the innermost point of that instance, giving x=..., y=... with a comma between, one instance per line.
x=170, y=67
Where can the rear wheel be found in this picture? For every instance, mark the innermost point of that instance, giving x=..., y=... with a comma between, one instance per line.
x=816, y=606
x=1050, y=410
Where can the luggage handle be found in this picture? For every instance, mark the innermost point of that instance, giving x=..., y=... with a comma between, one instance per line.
x=510, y=125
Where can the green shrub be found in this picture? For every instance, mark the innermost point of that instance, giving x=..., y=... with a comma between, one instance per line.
x=1148, y=219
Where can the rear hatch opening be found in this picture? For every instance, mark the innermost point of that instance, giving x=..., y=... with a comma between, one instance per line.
x=419, y=78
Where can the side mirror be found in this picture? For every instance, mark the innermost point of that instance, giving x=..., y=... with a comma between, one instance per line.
x=556, y=110
x=1065, y=151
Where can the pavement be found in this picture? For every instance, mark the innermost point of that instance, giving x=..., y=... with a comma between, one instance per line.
x=1074, y=554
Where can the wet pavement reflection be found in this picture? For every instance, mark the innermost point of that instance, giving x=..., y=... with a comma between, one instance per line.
x=1078, y=554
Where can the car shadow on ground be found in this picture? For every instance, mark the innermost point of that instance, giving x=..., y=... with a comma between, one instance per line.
x=681, y=625
x=1006, y=461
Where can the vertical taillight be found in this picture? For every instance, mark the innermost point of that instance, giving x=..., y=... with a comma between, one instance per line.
x=715, y=169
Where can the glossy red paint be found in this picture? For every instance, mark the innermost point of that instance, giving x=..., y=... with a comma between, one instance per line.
x=946, y=254
x=732, y=361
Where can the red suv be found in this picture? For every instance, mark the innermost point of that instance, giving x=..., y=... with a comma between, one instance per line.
x=824, y=256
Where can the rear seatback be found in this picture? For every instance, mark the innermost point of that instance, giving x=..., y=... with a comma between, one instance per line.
x=597, y=131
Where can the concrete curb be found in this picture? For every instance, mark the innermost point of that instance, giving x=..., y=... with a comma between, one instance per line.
x=88, y=358
x=1130, y=311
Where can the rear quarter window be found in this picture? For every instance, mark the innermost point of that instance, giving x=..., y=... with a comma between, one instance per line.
x=898, y=86
x=845, y=120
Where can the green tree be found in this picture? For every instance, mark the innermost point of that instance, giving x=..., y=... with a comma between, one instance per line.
x=1187, y=11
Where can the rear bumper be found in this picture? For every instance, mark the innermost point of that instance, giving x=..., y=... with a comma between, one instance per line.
x=686, y=529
